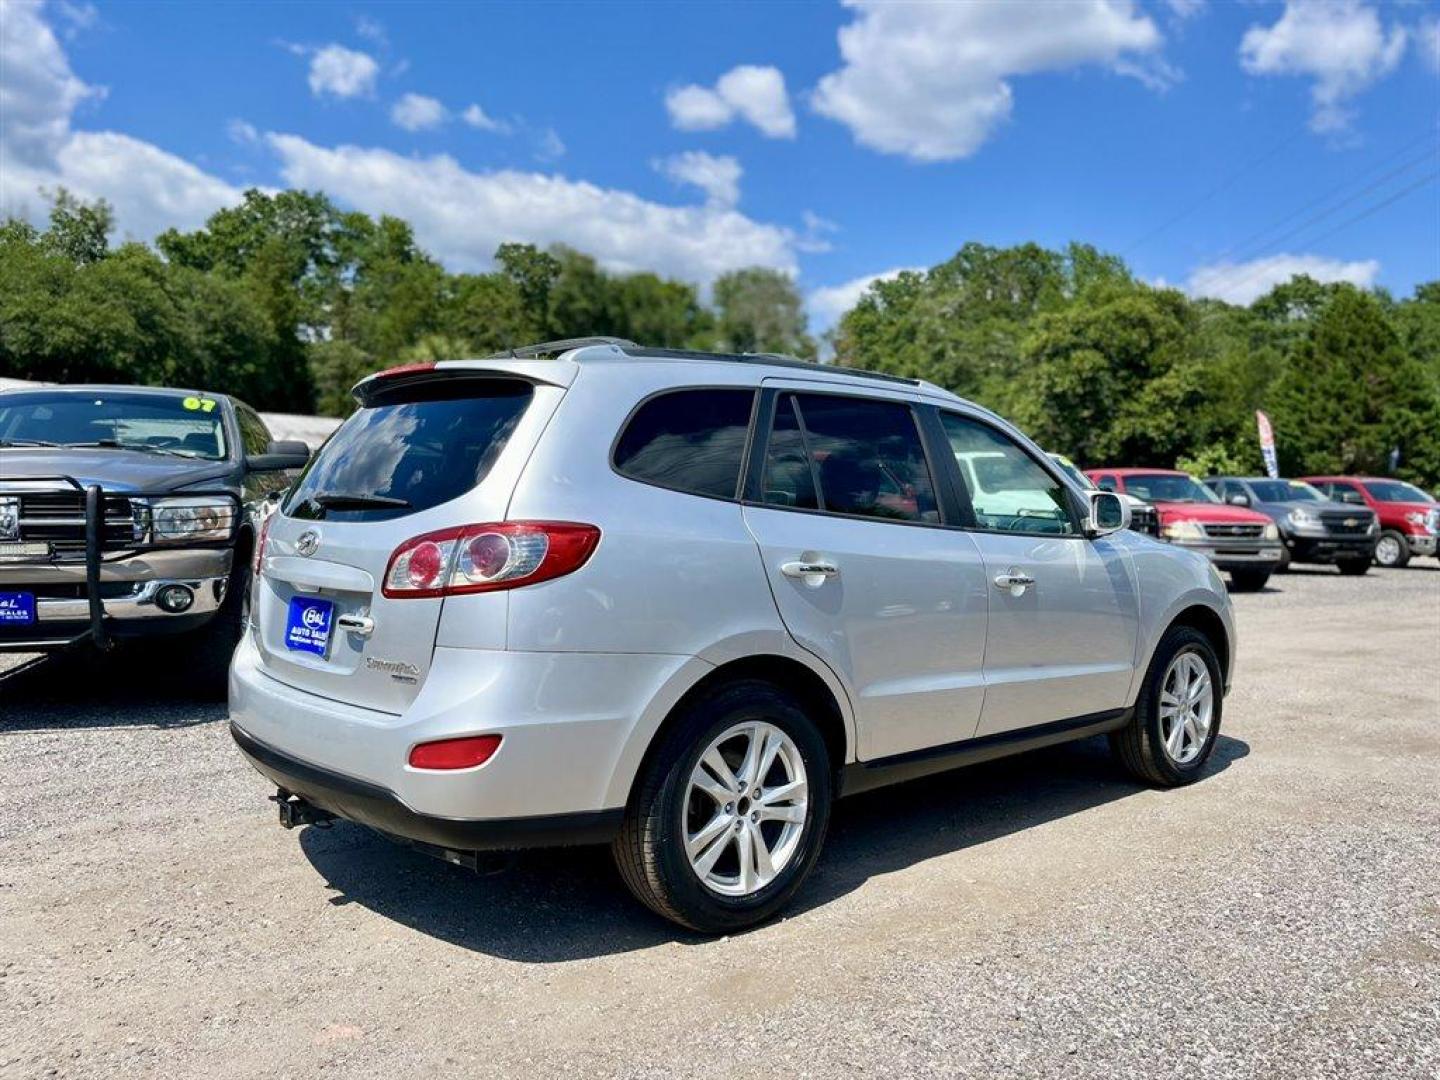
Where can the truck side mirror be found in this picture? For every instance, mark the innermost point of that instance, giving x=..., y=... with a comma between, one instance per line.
x=1239, y=500
x=279, y=456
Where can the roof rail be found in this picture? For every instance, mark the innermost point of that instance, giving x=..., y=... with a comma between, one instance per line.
x=768, y=359
x=552, y=348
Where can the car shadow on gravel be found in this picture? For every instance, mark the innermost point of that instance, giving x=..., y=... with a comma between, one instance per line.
x=569, y=904
x=129, y=688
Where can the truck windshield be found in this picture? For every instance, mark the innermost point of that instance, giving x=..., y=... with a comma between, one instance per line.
x=1285, y=491
x=1395, y=491
x=1168, y=487
x=421, y=446
x=115, y=419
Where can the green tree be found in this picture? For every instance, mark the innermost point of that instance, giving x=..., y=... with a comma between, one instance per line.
x=761, y=310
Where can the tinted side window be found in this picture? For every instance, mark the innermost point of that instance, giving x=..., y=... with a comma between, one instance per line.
x=1107, y=483
x=867, y=457
x=1009, y=490
x=253, y=432
x=689, y=440
x=788, y=480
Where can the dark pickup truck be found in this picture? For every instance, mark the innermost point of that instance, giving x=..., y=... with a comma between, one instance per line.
x=1313, y=528
x=130, y=512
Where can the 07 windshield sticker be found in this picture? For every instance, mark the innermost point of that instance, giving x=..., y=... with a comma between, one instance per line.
x=195, y=404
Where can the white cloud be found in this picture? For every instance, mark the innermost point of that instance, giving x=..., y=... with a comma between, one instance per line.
x=242, y=132
x=929, y=81
x=748, y=92
x=1341, y=44
x=416, y=112
x=463, y=216
x=372, y=30
x=149, y=188
x=1427, y=40
x=477, y=117
x=549, y=146
x=1185, y=9
x=828, y=303
x=718, y=177
x=338, y=72
x=1243, y=283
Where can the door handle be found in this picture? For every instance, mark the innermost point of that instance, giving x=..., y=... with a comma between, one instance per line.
x=1014, y=581
x=356, y=624
x=814, y=568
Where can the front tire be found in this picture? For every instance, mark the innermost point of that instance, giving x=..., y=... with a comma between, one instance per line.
x=1177, y=715
x=1391, y=550
x=1249, y=580
x=730, y=812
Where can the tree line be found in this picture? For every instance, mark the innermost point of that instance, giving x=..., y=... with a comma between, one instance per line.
x=286, y=301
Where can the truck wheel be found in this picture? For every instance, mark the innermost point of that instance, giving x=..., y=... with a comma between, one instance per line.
x=1249, y=580
x=214, y=643
x=1177, y=715
x=731, y=811
x=1353, y=567
x=1283, y=566
x=1391, y=550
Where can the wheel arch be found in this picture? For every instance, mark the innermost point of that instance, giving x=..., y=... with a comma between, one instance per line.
x=1207, y=621
x=823, y=702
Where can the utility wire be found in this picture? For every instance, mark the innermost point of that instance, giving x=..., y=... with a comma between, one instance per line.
x=1253, y=271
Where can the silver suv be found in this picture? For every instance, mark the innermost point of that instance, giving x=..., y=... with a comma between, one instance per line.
x=679, y=602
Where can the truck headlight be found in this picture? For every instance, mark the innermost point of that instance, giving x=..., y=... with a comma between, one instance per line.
x=1303, y=519
x=1272, y=532
x=192, y=519
x=1183, y=530
x=1417, y=519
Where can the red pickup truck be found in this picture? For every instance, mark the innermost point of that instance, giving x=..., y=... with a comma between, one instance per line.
x=1243, y=543
x=1409, y=519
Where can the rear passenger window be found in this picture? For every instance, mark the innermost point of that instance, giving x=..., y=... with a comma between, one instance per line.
x=689, y=440
x=865, y=456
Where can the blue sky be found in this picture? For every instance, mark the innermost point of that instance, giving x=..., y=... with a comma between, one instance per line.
x=1218, y=146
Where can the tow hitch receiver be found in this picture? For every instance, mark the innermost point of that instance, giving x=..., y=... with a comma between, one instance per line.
x=296, y=811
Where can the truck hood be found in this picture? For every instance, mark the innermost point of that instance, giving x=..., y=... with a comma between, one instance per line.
x=1215, y=513
x=112, y=469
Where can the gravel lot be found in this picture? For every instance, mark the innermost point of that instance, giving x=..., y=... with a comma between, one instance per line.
x=1036, y=917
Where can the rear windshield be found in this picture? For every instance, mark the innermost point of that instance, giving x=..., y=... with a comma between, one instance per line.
x=415, y=449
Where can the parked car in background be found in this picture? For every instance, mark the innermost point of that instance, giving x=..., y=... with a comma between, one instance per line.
x=1143, y=517
x=1313, y=528
x=1242, y=542
x=125, y=513
x=1409, y=518
x=678, y=602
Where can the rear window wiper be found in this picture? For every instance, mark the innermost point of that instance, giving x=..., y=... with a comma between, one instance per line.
x=336, y=500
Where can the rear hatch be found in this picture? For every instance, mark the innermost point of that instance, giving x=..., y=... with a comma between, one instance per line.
x=428, y=450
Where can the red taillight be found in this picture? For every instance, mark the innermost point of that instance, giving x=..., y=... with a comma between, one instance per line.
x=404, y=369
x=465, y=753
x=484, y=558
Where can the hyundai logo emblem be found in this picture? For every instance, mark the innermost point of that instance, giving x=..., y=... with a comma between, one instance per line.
x=308, y=542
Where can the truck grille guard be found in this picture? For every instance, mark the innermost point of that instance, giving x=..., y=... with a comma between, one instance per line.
x=95, y=540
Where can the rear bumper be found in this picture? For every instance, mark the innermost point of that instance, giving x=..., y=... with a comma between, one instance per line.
x=381, y=809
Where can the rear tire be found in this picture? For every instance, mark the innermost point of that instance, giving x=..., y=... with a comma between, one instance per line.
x=1146, y=746
x=1249, y=580
x=1353, y=567
x=1392, y=551
x=652, y=852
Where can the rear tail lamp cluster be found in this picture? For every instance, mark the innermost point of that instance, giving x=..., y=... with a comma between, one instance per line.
x=484, y=558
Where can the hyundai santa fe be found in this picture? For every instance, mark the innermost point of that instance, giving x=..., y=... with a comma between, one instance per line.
x=676, y=602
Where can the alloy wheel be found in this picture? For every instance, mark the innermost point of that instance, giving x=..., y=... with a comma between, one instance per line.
x=745, y=808
x=1187, y=708
x=1387, y=551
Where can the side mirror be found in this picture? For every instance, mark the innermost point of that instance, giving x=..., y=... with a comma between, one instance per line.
x=1108, y=513
x=279, y=456
x=1239, y=500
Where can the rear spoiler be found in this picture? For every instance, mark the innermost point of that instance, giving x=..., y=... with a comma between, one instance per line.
x=545, y=372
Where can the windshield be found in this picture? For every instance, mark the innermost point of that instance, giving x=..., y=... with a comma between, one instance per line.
x=1068, y=468
x=1395, y=491
x=120, y=419
x=431, y=444
x=1168, y=487
x=1285, y=491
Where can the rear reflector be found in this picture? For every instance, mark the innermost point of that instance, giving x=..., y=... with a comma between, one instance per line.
x=484, y=558
x=463, y=753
